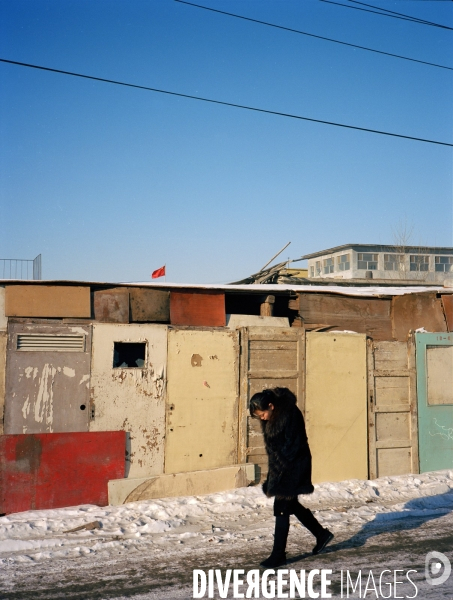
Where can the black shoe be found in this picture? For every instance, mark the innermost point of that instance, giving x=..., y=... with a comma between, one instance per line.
x=322, y=541
x=274, y=560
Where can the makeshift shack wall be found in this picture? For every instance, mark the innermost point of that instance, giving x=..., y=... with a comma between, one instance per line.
x=132, y=399
x=3, y=325
x=336, y=405
x=202, y=399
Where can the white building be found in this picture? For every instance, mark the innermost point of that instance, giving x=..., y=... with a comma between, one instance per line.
x=376, y=261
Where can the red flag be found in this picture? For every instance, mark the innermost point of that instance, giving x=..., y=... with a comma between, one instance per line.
x=158, y=273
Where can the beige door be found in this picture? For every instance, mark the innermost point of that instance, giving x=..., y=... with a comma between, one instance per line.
x=392, y=412
x=270, y=357
x=128, y=376
x=202, y=399
x=336, y=405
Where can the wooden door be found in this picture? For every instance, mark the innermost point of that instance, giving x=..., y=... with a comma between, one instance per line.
x=270, y=357
x=435, y=400
x=392, y=408
x=47, y=378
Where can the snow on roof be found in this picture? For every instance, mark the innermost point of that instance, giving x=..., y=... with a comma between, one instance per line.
x=369, y=291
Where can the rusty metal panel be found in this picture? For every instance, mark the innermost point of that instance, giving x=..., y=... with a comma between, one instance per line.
x=413, y=311
x=198, y=308
x=202, y=400
x=3, y=340
x=47, y=378
x=150, y=305
x=111, y=306
x=131, y=397
x=47, y=301
x=447, y=303
x=362, y=315
x=3, y=319
x=43, y=471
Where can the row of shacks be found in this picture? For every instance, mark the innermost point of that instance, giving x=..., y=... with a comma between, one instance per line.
x=145, y=387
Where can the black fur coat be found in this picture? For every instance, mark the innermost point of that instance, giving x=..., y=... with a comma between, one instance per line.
x=289, y=455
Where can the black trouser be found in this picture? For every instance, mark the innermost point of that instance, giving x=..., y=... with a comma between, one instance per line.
x=284, y=507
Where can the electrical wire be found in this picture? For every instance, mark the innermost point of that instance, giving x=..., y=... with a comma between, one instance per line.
x=319, y=37
x=223, y=103
x=392, y=12
x=383, y=14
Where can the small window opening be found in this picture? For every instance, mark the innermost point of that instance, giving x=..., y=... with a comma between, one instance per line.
x=129, y=355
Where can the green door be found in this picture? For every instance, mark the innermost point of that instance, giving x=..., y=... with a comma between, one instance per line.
x=435, y=400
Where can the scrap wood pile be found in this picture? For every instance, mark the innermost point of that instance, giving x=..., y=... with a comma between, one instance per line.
x=279, y=273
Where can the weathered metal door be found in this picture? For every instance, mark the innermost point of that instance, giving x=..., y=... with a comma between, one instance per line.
x=435, y=400
x=47, y=378
x=336, y=405
x=202, y=399
x=392, y=408
x=270, y=357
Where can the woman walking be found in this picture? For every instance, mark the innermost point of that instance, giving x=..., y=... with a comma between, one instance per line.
x=289, y=472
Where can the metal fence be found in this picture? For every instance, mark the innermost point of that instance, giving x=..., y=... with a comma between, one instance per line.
x=18, y=268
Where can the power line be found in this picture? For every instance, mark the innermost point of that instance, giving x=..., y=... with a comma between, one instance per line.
x=383, y=14
x=392, y=12
x=319, y=37
x=223, y=103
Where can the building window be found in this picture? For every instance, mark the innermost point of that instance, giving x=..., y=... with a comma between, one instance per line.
x=444, y=263
x=394, y=262
x=318, y=267
x=328, y=265
x=129, y=355
x=367, y=261
x=419, y=262
x=343, y=262
x=312, y=271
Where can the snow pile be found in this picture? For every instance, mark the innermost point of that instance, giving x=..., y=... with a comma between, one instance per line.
x=240, y=514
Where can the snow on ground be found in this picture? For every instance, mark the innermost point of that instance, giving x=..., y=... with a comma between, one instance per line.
x=191, y=527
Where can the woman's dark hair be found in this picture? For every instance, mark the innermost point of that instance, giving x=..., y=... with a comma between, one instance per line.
x=278, y=397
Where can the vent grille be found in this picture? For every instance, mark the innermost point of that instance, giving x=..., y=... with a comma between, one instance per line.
x=50, y=343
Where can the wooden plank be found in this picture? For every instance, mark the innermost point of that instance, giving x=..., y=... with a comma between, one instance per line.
x=273, y=374
x=149, y=306
x=362, y=315
x=447, y=303
x=198, y=308
x=394, y=444
x=394, y=461
x=413, y=311
x=391, y=426
x=413, y=405
x=53, y=470
x=391, y=391
x=243, y=395
x=111, y=306
x=390, y=356
x=47, y=301
x=372, y=455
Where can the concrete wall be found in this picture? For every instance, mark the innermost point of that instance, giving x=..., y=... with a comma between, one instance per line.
x=202, y=400
x=132, y=399
x=336, y=405
x=431, y=275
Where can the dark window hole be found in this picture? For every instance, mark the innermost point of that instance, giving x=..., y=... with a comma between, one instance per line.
x=129, y=355
x=201, y=455
x=82, y=407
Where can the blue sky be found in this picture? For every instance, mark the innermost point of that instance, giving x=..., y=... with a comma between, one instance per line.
x=109, y=183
